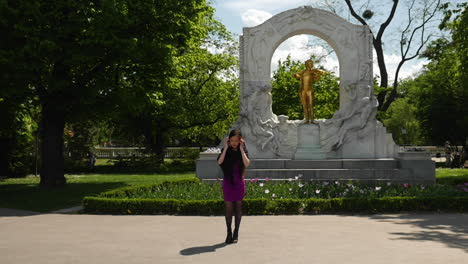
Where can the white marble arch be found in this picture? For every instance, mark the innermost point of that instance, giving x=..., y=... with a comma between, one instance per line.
x=271, y=137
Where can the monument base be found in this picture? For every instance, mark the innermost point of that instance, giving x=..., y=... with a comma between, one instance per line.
x=308, y=143
x=409, y=169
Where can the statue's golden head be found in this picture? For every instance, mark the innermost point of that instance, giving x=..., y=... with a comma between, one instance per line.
x=309, y=63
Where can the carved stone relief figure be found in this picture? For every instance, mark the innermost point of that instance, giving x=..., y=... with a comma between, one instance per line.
x=354, y=117
x=259, y=116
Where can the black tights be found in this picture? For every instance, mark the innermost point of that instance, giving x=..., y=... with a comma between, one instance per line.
x=230, y=208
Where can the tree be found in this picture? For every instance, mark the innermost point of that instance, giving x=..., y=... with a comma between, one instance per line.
x=199, y=100
x=285, y=91
x=413, y=37
x=75, y=56
x=440, y=92
x=402, y=122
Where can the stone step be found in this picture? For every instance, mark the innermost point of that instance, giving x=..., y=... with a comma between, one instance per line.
x=330, y=174
x=324, y=164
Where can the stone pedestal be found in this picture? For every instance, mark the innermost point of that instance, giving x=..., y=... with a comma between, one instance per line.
x=207, y=166
x=308, y=143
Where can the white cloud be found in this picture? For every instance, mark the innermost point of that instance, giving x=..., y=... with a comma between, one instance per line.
x=254, y=17
x=409, y=69
x=299, y=48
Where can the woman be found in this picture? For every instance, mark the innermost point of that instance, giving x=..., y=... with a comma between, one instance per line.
x=233, y=161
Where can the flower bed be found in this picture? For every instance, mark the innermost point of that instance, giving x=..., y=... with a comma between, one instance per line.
x=290, y=197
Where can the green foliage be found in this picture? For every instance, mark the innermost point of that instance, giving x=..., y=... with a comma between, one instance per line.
x=198, y=100
x=285, y=95
x=401, y=121
x=193, y=197
x=83, y=60
x=26, y=194
x=440, y=100
x=432, y=107
x=17, y=138
x=121, y=201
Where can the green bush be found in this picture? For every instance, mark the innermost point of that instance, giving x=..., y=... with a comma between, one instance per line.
x=117, y=202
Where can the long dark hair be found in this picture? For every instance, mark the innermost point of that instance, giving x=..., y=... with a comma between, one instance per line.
x=232, y=157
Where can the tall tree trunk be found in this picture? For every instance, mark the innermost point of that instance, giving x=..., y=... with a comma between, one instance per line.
x=5, y=146
x=52, y=169
x=383, y=72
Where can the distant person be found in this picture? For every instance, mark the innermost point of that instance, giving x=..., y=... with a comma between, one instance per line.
x=233, y=161
x=448, y=154
x=92, y=160
x=456, y=162
x=464, y=155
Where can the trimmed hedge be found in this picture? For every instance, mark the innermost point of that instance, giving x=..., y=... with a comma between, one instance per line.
x=114, y=202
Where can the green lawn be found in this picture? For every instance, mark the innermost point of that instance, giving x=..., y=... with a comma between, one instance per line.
x=25, y=193
x=452, y=176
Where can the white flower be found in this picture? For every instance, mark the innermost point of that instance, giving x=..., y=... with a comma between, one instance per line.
x=346, y=190
x=267, y=191
x=289, y=179
x=378, y=188
x=326, y=183
x=290, y=189
x=300, y=185
x=261, y=184
x=300, y=175
x=389, y=183
x=273, y=195
x=337, y=182
x=361, y=191
x=317, y=191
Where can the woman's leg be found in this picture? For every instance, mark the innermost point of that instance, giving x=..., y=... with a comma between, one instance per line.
x=238, y=218
x=228, y=216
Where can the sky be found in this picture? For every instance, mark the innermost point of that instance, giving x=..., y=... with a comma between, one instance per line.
x=236, y=14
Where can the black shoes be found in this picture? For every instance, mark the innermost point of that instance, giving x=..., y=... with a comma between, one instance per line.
x=229, y=238
x=235, y=237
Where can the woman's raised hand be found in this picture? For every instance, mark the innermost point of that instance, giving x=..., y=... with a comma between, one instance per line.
x=242, y=144
x=226, y=143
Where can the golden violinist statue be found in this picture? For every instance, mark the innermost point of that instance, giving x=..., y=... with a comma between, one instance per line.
x=306, y=91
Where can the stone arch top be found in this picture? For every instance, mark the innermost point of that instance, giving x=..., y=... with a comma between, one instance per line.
x=352, y=44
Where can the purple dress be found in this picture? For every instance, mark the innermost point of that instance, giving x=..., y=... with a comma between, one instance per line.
x=234, y=191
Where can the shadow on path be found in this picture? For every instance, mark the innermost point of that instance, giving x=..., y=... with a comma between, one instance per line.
x=448, y=229
x=16, y=212
x=200, y=250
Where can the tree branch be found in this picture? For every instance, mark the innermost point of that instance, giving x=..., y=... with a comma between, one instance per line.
x=387, y=22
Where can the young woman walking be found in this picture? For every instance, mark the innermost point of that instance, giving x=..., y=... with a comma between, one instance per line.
x=233, y=161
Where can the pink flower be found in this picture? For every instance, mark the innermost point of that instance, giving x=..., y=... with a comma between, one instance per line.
x=406, y=185
x=251, y=180
x=267, y=179
x=466, y=183
x=465, y=189
x=256, y=179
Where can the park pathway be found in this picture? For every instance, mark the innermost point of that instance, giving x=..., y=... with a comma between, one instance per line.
x=27, y=237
